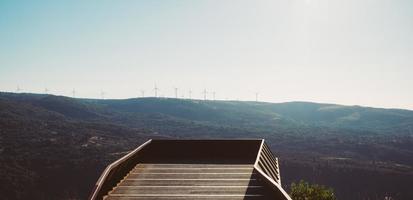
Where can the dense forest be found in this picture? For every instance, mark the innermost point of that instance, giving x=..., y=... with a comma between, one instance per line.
x=55, y=147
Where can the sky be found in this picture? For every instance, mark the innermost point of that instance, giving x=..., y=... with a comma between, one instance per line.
x=351, y=52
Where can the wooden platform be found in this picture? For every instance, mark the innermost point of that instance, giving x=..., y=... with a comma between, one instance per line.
x=193, y=169
x=190, y=181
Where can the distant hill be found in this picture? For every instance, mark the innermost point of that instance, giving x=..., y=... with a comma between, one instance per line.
x=258, y=114
x=228, y=113
x=44, y=138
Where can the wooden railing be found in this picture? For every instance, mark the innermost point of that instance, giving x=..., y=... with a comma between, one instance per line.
x=268, y=163
x=115, y=172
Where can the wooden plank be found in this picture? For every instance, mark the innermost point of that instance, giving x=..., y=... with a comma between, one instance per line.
x=197, y=182
x=192, y=176
x=189, y=198
x=157, y=165
x=192, y=170
x=170, y=191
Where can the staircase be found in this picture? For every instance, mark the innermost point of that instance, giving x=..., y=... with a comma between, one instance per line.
x=190, y=181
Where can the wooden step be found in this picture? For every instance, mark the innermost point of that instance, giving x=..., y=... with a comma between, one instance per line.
x=190, y=176
x=192, y=170
x=160, y=182
x=182, y=191
x=153, y=165
x=188, y=198
x=190, y=181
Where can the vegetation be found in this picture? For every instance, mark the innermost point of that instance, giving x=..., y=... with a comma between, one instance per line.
x=306, y=191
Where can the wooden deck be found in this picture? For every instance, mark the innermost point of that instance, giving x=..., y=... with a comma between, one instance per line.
x=193, y=169
x=190, y=181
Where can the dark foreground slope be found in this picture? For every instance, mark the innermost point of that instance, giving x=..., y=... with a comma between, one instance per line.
x=54, y=147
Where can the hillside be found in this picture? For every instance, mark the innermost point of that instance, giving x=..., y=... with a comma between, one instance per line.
x=44, y=138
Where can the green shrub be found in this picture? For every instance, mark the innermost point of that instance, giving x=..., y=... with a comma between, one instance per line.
x=305, y=191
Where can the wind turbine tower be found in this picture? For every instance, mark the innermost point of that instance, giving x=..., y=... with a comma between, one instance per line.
x=205, y=93
x=143, y=93
x=102, y=95
x=18, y=89
x=73, y=93
x=190, y=94
x=46, y=91
x=156, y=90
x=213, y=95
x=176, y=92
x=256, y=96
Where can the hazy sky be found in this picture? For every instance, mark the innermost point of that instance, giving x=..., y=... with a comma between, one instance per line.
x=337, y=51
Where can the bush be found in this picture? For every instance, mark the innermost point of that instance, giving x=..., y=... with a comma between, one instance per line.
x=305, y=191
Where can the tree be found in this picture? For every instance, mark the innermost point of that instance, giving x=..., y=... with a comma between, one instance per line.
x=305, y=191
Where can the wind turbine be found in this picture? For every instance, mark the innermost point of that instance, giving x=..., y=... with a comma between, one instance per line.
x=102, y=95
x=73, y=93
x=143, y=93
x=46, y=90
x=156, y=90
x=213, y=95
x=256, y=96
x=205, y=93
x=176, y=92
x=18, y=89
x=190, y=94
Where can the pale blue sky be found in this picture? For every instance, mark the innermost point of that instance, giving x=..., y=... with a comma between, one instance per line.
x=353, y=52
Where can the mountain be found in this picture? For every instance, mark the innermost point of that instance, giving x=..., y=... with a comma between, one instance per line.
x=362, y=152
